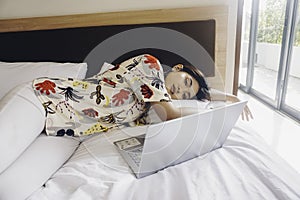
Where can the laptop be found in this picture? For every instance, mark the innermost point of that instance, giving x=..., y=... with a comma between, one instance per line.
x=169, y=143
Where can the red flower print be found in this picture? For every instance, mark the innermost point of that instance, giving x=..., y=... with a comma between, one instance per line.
x=146, y=91
x=46, y=86
x=117, y=66
x=118, y=99
x=152, y=61
x=112, y=83
x=90, y=112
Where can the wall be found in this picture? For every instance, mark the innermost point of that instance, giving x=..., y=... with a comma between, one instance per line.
x=10, y=9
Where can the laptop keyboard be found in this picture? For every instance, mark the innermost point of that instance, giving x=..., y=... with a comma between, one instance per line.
x=136, y=155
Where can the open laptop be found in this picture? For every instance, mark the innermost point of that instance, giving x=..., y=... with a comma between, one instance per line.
x=169, y=143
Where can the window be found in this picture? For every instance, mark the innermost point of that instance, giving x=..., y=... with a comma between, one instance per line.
x=270, y=69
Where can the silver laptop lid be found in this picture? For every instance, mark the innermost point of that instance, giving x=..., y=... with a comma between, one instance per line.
x=181, y=139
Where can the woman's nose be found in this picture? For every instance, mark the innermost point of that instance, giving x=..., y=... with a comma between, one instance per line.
x=178, y=90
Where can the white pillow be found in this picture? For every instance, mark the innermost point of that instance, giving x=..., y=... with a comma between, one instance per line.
x=35, y=166
x=22, y=119
x=13, y=74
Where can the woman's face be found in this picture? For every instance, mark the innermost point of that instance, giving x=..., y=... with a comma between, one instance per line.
x=181, y=85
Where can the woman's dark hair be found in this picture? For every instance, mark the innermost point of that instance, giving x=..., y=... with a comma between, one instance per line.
x=203, y=92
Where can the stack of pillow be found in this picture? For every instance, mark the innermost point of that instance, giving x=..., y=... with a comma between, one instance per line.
x=28, y=157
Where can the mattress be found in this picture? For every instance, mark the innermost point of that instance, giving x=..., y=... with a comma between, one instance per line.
x=244, y=168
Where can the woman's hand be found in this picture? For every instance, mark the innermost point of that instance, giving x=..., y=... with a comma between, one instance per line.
x=246, y=113
x=221, y=96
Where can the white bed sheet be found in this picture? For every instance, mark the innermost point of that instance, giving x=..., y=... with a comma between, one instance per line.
x=244, y=168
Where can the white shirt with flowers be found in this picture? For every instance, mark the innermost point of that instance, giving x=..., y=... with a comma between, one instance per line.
x=118, y=97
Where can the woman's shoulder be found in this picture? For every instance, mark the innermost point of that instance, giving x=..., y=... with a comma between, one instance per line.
x=144, y=64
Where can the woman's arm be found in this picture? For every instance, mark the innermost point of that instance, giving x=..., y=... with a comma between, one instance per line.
x=221, y=96
x=217, y=95
x=168, y=111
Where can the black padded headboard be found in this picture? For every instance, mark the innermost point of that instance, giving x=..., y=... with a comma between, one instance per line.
x=85, y=44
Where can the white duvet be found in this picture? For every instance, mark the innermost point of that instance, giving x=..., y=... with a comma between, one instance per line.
x=244, y=168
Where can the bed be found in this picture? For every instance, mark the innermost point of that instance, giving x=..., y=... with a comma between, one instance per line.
x=36, y=167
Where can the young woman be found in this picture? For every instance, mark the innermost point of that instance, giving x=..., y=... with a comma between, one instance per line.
x=120, y=96
x=188, y=82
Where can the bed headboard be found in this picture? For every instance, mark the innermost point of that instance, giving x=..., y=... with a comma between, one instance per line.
x=194, y=36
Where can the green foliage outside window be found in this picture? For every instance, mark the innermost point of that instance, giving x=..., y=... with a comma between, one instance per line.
x=271, y=23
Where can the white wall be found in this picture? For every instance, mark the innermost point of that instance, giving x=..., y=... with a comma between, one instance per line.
x=10, y=9
x=268, y=55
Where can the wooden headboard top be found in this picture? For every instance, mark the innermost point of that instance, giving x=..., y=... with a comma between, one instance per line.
x=219, y=13
x=63, y=23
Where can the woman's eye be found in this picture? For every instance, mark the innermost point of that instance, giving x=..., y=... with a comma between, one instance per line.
x=188, y=82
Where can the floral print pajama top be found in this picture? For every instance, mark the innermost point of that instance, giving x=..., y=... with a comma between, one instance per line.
x=119, y=96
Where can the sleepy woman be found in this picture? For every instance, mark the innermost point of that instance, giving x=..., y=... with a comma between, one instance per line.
x=121, y=96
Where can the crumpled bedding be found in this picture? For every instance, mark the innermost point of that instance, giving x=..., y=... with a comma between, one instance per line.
x=244, y=168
